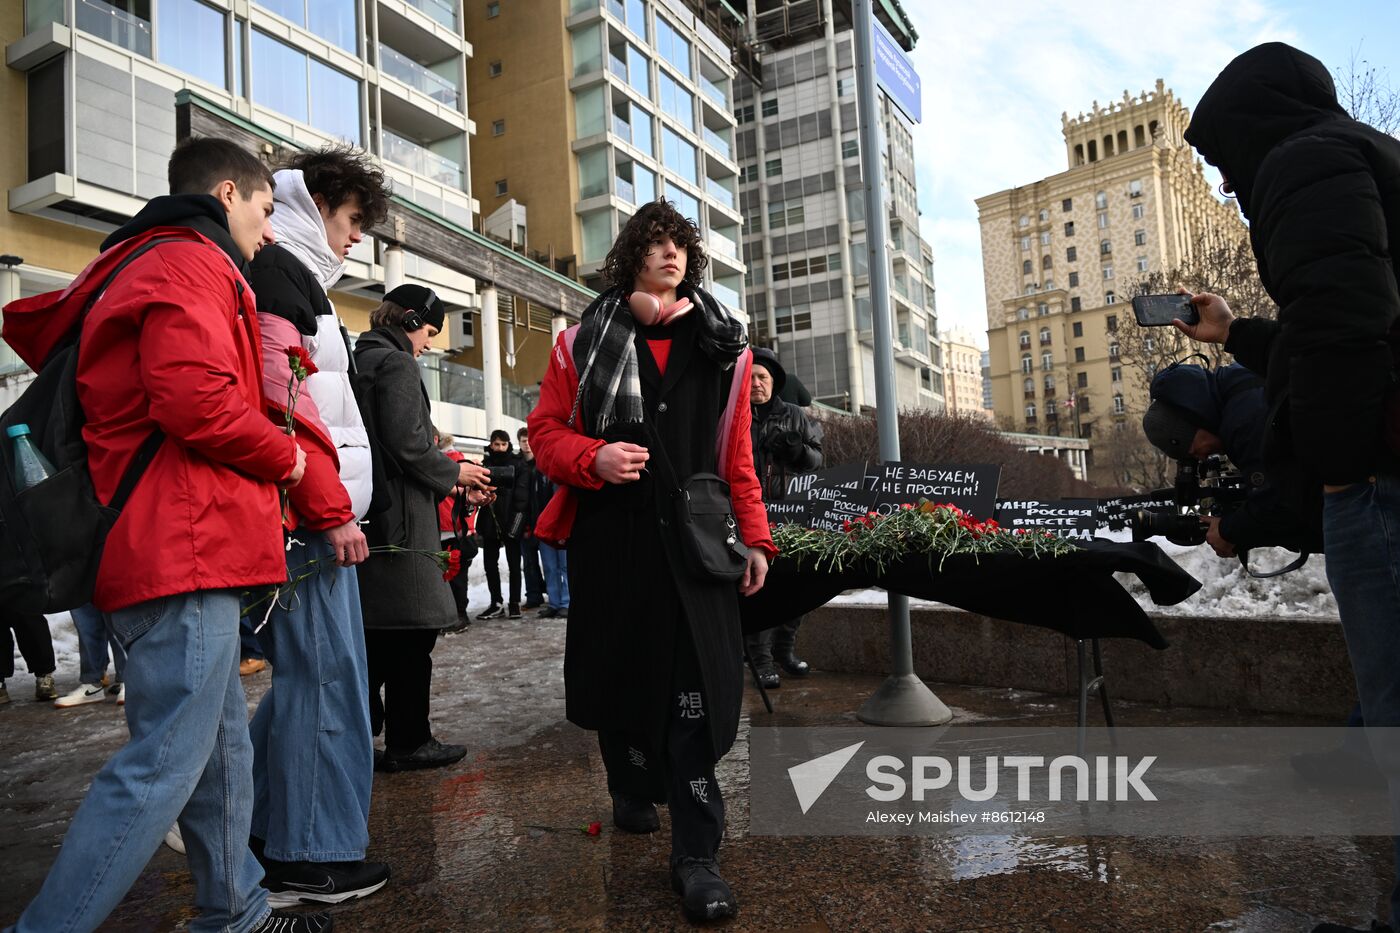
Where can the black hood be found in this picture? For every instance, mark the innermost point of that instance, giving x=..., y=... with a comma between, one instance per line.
x=200, y=212
x=1261, y=98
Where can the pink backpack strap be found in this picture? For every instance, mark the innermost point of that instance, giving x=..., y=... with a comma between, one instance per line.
x=570, y=335
x=741, y=370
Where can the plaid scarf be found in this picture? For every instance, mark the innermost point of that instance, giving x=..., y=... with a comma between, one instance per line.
x=609, y=387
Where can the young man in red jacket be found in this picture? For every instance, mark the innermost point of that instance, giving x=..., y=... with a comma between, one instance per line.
x=171, y=349
x=650, y=388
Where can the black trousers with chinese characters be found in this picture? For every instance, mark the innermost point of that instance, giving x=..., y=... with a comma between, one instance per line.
x=682, y=775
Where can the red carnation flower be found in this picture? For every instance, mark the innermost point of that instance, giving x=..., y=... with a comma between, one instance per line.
x=452, y=564
x=594, y=828
x=300, y=362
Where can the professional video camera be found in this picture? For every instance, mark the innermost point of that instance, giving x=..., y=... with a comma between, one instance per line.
x=1203, y=489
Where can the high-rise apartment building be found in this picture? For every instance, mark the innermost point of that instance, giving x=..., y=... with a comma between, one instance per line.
x=588, y=108
x=805, y=214
x=90, y=96
x=962, y=373
x=1059, y=257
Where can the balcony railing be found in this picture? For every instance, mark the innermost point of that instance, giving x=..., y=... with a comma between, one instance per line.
x=723, y=245
x=718, y=143
x=425, y=162
x=714, y=92
x=400, y=66
x=725, y=294
x=618, y=67
x=444, y=11
x=720, y=192
x=622, y=129
x=456, y=384
x=625, y=190
x=116, y=26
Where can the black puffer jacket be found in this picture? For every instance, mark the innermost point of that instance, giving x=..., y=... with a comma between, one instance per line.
x=505, y=517
x=1322, y=193
x=785, y=442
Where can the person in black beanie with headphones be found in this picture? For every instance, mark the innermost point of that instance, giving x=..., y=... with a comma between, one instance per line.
x=403, y=597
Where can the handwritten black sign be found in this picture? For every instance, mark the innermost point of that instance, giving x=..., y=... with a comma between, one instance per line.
x=830, y=483
x=1075, y=519
x=1114, y=513
x=971, y=487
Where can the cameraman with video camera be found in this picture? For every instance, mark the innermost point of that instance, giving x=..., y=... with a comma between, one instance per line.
x=501, y=523
x=1198, y=414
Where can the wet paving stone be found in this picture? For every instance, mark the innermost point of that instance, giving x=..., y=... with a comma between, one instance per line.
x=498, y=843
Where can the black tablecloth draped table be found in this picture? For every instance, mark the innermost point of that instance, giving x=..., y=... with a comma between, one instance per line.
x=1074, y=593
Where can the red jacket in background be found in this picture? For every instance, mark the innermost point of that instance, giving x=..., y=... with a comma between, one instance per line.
x=172, y=345
x=565, y=454
x=445, y=506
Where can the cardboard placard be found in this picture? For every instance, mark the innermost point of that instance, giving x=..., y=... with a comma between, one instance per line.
x=828, y=484
x=971, y=487
x=1074, y=519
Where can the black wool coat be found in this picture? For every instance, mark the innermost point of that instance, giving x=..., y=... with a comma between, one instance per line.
x=404, y=590
x=632, y=597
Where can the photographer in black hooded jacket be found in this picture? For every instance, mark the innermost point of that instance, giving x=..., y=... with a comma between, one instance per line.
x=785, y=442
x=502, y=523
x=1322, y=194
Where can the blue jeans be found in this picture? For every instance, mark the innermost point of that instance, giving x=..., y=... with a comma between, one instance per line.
x=1361, y=529
x=94, y=637
x=530, y=565
x=556, y=574
x=313, y=761
x=188, y=757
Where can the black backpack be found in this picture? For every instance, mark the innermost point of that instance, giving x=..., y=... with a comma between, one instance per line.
x=51, y=534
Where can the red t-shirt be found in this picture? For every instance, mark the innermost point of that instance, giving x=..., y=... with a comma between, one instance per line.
x=661, y=352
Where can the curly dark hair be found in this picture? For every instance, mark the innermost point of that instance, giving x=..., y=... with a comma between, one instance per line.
x=628, y=254
x=338, y=173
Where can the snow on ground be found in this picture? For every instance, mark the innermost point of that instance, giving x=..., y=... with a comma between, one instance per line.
x=1226, y=589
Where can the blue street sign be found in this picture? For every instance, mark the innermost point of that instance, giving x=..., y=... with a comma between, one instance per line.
x=896, y=74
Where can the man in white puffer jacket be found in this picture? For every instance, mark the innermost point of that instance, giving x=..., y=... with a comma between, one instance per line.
x=313, y=755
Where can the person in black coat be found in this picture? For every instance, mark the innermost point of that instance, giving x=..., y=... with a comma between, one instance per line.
x=538, y=489
x=785, y=443
x=1198, y=412
x=502, y=523
x=1322, y=194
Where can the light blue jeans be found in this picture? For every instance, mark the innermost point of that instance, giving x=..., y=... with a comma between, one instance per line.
x=1361, y=529
x=555, y=561
x=94, y=638
x=188, y=757
x=313, y=759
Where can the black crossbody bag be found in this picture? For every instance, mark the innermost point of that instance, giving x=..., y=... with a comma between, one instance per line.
x=704, y=516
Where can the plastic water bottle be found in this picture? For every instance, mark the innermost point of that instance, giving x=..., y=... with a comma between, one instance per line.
x=30, y=466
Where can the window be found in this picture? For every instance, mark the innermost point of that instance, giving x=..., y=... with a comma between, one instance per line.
x=1113, y=351
x=1025, y=338
x=1111, y=322
x=780, y=272
x=1026, y=267
x=1118, y=408
x=1042, y=309
x=1139, y=237
x=1049, y=384
x=1047, y=360
x=334, y=20
x=1072, y=254
x=1142, y=264
x=1046, y=262
x=1135, y=188
x=1030, y=411
x=1045, y=238
x=501, y=188
x=1082, y=381
x=677, y=101
x=1100, y=200
x=1025, y=221
x=850, y=148
x=845, y=87
x=1049, y=284
x=1105, y=247
x=190, y=37
x=493, y=68
x=1138, y=212
x=744, y=114
x=773, y=167
x=678, y=155
x=672, y=46
x=685, y=203
x=1074, y=303
x=1067, y=205
x=1074, y=280
x=1025, y=244
x=493, y=10
x=1078, y=329
x=1044, y=215
x=770, y=107
x=1079, y=354
x=1103, y=221
x=1117, y=373
x=1107, y=273
x=306, y=89
x=1069, y=228
x=748, y=174
x=1026, y=364
x=1044, y=335
x=498, y=128
x=1028, y=386
x=1023, y=314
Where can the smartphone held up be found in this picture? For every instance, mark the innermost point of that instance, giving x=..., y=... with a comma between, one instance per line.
x=1161, y=310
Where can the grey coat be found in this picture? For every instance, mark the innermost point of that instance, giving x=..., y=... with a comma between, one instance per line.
x=404, y=590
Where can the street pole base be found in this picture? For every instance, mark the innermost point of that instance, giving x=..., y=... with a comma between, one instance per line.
x=904, y=700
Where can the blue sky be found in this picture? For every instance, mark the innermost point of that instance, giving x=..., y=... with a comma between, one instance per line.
x=996, y=77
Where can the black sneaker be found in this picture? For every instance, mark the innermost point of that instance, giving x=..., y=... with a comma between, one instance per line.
x=548, y=612
x=704, y=894
x=768, y=677
x=283, y=921
x=533, y=604
x=493, y=611
x=791, y=662
x=431, y=754
x=514, y=610
x=635, y=815
x=293, y=883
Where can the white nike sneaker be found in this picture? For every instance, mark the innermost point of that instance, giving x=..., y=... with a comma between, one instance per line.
x=85, y=693
x=175, y=840
x=121, y=694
